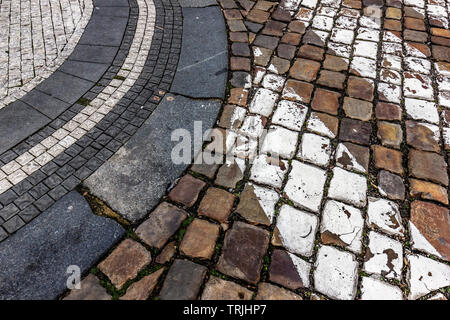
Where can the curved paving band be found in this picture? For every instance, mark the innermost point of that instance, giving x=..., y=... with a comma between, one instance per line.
x=355, y=103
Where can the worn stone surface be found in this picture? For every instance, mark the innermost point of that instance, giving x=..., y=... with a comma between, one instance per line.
x=427, y=191
x=267, y=291
x=183, y=281
x=243, y=250
x=374, y=289
x=426, y=275
x=257, y=204
x=427, y=165
x=388, y=159
x=305, y=70
x=326, y=101
x=142, y=289
x=384, y=256
x=342, y=225
x=219, y=289
x=289, y=270
x=90, y=289
x=216, y=204
x=187, y=190
x=357, y=109
x=142, y=162
x=125, y=262
x=351, y=156
x=167, y=253
x=430, y=228
x=355, y=131
x=422, y=136
x=161, y=225
x=336, y=273
x=391, y=185
x=390, y=134
x=65, y=234
x=230, y=174
x=200, y=239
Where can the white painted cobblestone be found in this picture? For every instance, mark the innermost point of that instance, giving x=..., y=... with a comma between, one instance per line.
x=336, y=273
x=305, y=185
x=297, y=230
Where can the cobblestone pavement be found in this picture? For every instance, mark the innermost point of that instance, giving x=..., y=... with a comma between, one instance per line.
x=333, y=138
x=355, y=97
x=35, y=39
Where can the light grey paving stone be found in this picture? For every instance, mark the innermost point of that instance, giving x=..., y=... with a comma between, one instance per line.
x=17, y=122
x=35, y=259
x=135, y=178
x=202, y=70
x=197, y=3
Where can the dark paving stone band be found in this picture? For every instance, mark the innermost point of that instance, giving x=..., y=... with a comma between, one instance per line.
x=39, y=191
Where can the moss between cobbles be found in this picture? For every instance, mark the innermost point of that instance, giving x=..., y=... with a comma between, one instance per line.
x=83, y=101
x=117, y=77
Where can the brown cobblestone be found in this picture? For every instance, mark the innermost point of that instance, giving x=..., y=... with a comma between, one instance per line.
x=125, y=262
x=216, y=204
x=427, y=191
x=355, y=131
x=267, y=291
x=90, y=289
x=331, y=79
x=428, y=165
x=335, y=63
x=298, y=90
x=360, y=88
x=187, y=190
x=219, y=289
x=291, y=38
x=311, y=52
x=388, y=159
x=161, y=225
x=357, y=109
x=250, y=208
x=283, y=271
x=305, y=70
x=200, y=239
x=326, y=101
x=243, y=251
x=238, y=96
x=142, y=289
x=388, y=111
x=433, y=223
x=421, y=137
x=415, y=24
x=238, y=63
x=167, y=253
x=274, y=28
x=390, y=134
